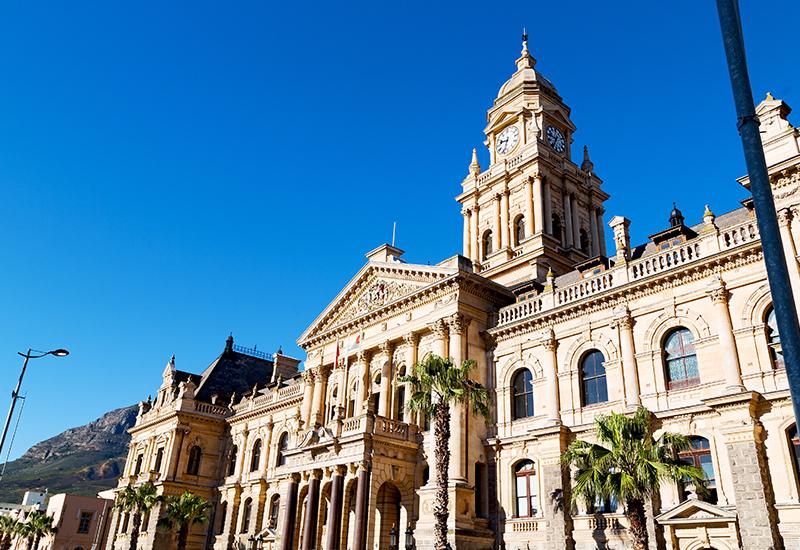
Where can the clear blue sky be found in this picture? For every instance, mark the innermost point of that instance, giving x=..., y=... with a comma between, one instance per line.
x=172, y=172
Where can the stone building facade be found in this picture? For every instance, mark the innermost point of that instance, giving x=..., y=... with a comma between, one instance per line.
x=561, y=330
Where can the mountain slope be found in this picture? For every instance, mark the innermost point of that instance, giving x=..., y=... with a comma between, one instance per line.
x=80, y=461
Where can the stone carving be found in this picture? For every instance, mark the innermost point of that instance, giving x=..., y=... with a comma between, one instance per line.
x=717, y=291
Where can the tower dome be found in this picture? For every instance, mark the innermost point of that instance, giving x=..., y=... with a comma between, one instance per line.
x=526, y=75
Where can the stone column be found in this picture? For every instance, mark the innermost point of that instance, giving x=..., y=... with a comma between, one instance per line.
x=497, y=242
x=601, y=231
x=554, y=497
x=550, y=345
x=530, y=217
x=730, y=358
x=411, y=341
x=289, y=515
x=576, y=225
x=467, y=236
x=504, y=218
x=320, y=383
x=458, y=448
x=594, y=230
x=335, y=516
x=308, y=392
x=362, y=498
x=312, y=511
x=568, y=219
x=630, y=373
x=475, y=254
x=538, y=199
x=439, y=330
x=386, y=379
x=789, y=251
x=547, y=210
x=363, y=370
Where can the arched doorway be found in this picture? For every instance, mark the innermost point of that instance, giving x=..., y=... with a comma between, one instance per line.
x=387, y=513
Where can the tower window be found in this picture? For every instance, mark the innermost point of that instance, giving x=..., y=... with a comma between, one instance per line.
x=593, y=378
x=519, y=228
x=681, y=360
x=523, y=394
x=487, y=245
x=556, y=227
x=194, y=461
x=774, y=340
x=584, y=242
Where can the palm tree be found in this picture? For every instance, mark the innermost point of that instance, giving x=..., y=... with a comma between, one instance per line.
x=628, y=465
x=139, y=500
x=8, y=529
x=436, y=384
x=183, y=512
x=39, y=524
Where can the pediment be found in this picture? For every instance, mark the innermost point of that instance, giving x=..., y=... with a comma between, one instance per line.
x=696, y=511
x=503, y=117
x=375, y=286
x=556, y=114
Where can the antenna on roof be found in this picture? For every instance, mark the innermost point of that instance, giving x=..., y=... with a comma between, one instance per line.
x=394, y=229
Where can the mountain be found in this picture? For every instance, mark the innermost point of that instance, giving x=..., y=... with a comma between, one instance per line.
x=80, y=461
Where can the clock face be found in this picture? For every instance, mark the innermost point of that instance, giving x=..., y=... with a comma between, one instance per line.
x=556, y=139
x=507, y=140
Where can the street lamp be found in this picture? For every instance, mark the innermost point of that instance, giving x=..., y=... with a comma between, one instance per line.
x=15, y=393
x=393, y=538
x=409, y=538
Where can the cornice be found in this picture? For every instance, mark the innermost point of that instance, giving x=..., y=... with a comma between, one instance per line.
x=271, y=408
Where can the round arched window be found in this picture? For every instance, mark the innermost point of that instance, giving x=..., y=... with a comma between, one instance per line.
x=523, y=394
x=593, y=378
x=681, y=359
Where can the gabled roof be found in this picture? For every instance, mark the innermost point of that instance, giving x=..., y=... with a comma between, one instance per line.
x=695, y=511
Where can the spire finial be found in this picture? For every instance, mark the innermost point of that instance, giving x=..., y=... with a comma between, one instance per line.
x=524, y=43
x=526, y=61
x=586, y=165
x=474, y=167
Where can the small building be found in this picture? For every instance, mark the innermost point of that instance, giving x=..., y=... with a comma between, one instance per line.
x=82, y=522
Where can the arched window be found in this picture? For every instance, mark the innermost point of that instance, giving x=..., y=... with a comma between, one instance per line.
x=401, y=403
x=376, y=393
x=527, y=489
x=274, y=510
x=774, y=340
x=194, y=461
x=232, y=463
x=523, y=394
x=222, y=514
x=519, y=229
x=138, y=469
x=794, y=440
x=159, y=459
x=283, y=444
x=334, y=401
x=584, y=241
x=681, y=360
x=556, y=227
x=700, y=456
x=255, y=460
x=487, y=245
x=351, y=407
x=593, y=378
x=248, y=507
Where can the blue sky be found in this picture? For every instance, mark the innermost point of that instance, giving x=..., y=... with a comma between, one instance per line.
x=173, y=172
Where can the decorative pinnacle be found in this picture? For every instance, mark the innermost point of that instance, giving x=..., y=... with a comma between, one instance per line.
x=769, y=97
x=549, y=272
x=474, y=167
x=586, y=165
x=708, y=212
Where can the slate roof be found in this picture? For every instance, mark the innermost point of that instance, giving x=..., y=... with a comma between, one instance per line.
x=233, y=372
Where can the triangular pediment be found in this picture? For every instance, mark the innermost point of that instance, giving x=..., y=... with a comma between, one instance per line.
x=502, y=118
x=556, y=113
x=375, y=286
x=695, y=511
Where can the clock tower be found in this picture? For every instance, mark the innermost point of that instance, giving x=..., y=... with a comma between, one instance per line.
x=533, y=209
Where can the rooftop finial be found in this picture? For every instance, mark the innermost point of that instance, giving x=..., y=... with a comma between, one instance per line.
x=474, y=167
x=586, y=165
x=524, y=43
x=526, y=61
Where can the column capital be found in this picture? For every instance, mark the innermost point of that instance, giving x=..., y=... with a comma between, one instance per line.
x=717, y=291
x=784, y=216
x=489, y=340
x=538, y=176
x=294, y=478
x=323, y=371
x=548, y=340
x=466, y=212
x=315, y=474
x=308, y=376
x=362, y=466
x=438, y=328
x=385, y=348
x=622, y=318
x=411, y=339
x=457, y=323
x=362, y=356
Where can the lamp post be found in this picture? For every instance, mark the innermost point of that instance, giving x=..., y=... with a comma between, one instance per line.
x=15, y=394
x=393, y=538
x=409, y=538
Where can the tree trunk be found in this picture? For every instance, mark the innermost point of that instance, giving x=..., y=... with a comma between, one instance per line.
x=183, y=536
x=6, y=544
x=441, y=453
x=638, y=528
x=36, y=541
x=30, y=543
x=137, y=524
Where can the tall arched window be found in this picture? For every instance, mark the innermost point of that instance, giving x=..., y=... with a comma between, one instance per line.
x=523, y=394
x=283, y=444
x=681, y=360
x=274, y=510
x=487, y=245
x=519, y=229
x=593, y=378
x=351, y=407
x=194, y=461
x=255, y=460
x=222, y=513
x=794, y=441
x=248, y=507
x=232, y=463
x=401, y=403
x=700, y=456
x=556, y=227
x=376, y=393
x=584, y=242
x=334, y=401
x=159, y=459
x=527, y=489
x=774, y=340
